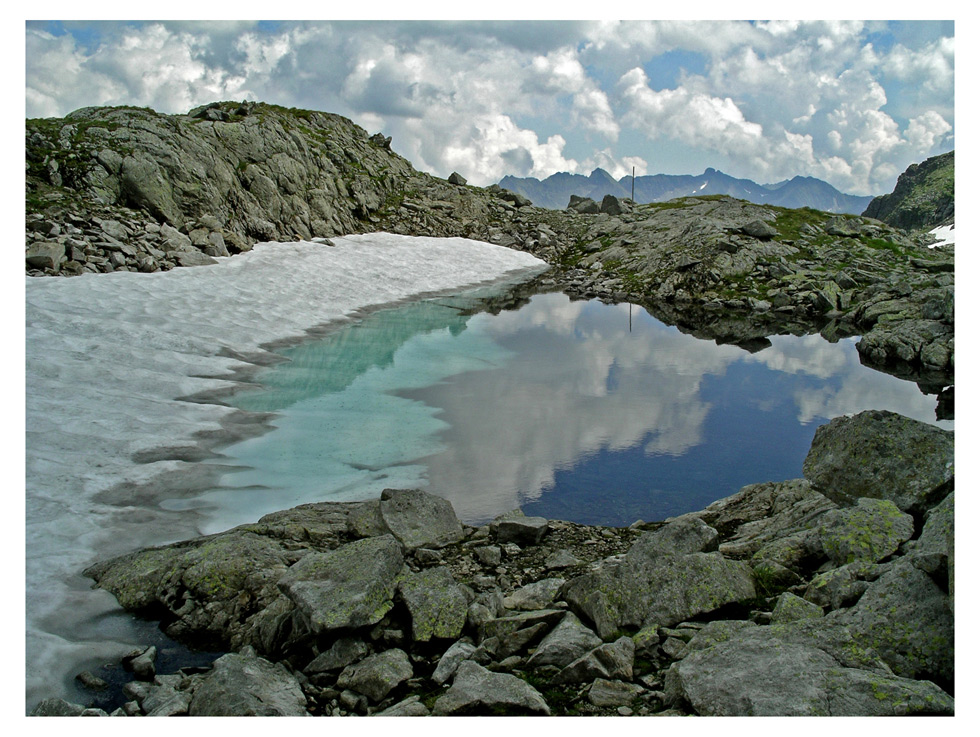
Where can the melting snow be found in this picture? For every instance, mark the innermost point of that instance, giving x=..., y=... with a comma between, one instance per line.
x=945, y=235
x=107, y=358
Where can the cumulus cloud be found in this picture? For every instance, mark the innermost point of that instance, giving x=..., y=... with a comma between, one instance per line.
x=763, y=100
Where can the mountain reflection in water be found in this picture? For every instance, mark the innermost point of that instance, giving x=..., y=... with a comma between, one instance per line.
x=571, y=410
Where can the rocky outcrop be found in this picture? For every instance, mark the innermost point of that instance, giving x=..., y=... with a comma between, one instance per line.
x=923, y=198
x=776, y=600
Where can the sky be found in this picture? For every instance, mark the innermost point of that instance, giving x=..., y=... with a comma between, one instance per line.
x=850, y=102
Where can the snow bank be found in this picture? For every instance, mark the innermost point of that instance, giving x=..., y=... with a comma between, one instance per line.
x=945, y=235
x=107, y=358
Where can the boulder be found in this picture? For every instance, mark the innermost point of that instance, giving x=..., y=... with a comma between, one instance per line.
x=841, y=587
x=457, y=179
x=791, y=608
x=477, y=691
x=659, y=591
x=764, y=671
x=46, y=255
x=881, y=455
x=435, y=603
x=904, y=617
x=418, y=519
x=611, y=660
x=449, y=662
x=57, y=708
x=611, y=205
x=567, y=642
x=245, y=685
x=377, y=675
x=349, y=587
x=514, y=527
x=758, y=229
x=610, y=694
x=410, y=707
x=343, y=652
x=537, y=595
x=868, y=532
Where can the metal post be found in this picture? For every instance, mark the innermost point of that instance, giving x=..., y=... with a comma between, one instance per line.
x=633, y=185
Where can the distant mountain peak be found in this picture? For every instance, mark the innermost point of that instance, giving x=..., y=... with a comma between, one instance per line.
x=554, y=191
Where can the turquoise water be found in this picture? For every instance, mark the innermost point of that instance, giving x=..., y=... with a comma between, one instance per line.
x=568, y=409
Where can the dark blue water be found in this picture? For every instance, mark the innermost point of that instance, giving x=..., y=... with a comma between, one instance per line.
x=570, y=410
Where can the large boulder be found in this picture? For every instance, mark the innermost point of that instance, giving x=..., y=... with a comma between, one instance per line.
x=881, y=455
x=644, y=587
x=611, y=660
x=418, y=519
x=377, y=675
x=791, y=671
x=870, y=531
x=435, y=603
x=567, y=642
x=477, y=691
x=349, y=587
x=245, y=685
x=905, y=618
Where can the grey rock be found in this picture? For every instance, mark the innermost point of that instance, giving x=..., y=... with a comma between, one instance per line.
x=611, y=205
x=567, y=642
x=659, y=591
x=91, y=681
x=435, y=603
x=881, y=455
x=612, y=660
x=242, y=685
x=937, y=538
x=759, y=229
x=561, y=559
x=842, y=587
x=144, y=665
x=418, y=519
x=610, y=694
x=193, y=258
x=46, y=255
x=678, y=537
x=537, y=595
x=410, y=707
x=477, y=691
x=57, y=708
x=351, y=586
x=904, y=617
x=502, y=626
x=343, y=652
x=377, y=675
x=868, y=532
x=760, y=671
x=790, y=608
x=488, y=555
x=449, y=662
x=457, y=179
x=164, y=700
x=514, y=527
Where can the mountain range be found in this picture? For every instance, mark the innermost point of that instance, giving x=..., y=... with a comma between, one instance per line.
x=554, y=191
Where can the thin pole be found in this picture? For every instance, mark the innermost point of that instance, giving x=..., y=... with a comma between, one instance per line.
x=633, y=185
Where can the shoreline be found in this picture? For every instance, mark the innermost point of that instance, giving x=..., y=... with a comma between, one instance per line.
x=550, y=607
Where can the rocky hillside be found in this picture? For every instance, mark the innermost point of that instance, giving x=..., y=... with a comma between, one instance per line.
x=923, y=196
x=113, y=189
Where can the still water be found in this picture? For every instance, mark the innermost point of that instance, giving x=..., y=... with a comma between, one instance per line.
x=568, y=409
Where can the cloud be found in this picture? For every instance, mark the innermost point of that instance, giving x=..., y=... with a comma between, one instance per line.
x=766, y=100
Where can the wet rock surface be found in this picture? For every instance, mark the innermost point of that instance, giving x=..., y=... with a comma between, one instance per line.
x=640, y=624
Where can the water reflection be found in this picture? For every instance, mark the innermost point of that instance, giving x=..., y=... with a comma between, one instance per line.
x=573, y=410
